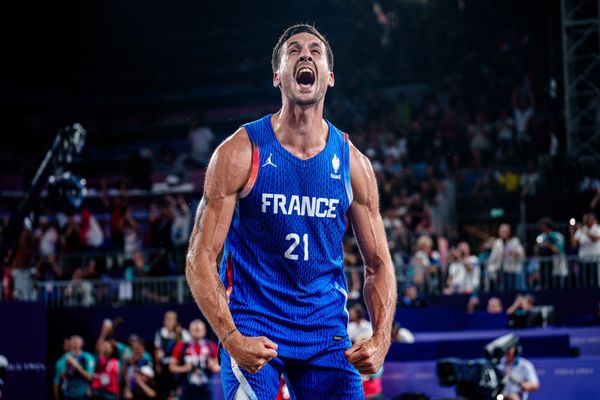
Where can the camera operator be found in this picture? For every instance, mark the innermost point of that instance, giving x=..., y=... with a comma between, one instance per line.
x=195, y=362
x=520, y=377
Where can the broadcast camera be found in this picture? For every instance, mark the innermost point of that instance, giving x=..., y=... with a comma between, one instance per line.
x=479, y=378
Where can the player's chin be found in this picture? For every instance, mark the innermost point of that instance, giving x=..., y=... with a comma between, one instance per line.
x=306, y=99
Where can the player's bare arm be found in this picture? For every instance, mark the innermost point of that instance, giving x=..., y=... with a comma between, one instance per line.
x=380, y=281
x=227, y=173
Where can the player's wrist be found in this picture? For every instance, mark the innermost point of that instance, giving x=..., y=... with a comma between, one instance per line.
x=382, y=337
x=231, y=339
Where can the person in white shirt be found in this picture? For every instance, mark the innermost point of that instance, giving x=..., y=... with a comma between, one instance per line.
x=505, y=265
x=464, y=272
x=47, y=235
x=587, y=238
x=520, y=377
x=357, y=324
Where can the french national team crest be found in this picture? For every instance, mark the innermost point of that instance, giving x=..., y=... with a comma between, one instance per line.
x=335, y=163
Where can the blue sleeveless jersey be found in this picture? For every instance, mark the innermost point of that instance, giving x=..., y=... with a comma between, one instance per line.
x=283, y=259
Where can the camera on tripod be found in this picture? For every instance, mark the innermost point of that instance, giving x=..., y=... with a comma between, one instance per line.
x=479, y=378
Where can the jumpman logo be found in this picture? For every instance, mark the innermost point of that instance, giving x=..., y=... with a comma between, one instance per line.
x=269, y=162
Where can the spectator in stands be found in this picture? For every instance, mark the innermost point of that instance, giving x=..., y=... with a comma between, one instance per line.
x=520, y=377
x=165, y=340
x=92, y=235
x=105, y=381
x=530, y=180
x=21, y=271
x=48, y=269
x=504, y=135
x=473, y=304
x=401, y=334
x=357, y=324
x=139, y=374
x=587, y=238
x=139, y=267
x=140, y=384
x=521, y=312
x=160, y=224
x=351, y=262
x=180, y=230
x=494, y=306
x=464, y=273
x=70, y=239
x=59, y=367
x=171, y=165
x=411, y=298
x=79, y=292
x=117, y=209
x=505, y=264
x=76, y=371
x=550, y=246
x=523, y=107
x=480, y=143
x=47, y=237
x=195, y=362
x=201, y=137
x=131, y=236
x=424, y=263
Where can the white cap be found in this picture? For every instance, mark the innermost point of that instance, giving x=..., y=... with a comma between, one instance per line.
x=147, y=370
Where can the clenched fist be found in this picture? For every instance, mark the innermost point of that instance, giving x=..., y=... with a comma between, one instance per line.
x=251, y=353
x=368, y=356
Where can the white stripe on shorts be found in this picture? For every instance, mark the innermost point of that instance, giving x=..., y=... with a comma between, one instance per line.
x=246, y=392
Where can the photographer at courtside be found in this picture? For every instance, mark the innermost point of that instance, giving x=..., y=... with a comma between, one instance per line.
x=519, y=374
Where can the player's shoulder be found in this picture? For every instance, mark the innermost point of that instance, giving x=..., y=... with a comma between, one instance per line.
x=362, y=175
x=230, y=164
x=236, y=145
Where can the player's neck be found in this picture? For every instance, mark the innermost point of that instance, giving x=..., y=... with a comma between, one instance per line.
x=301, y=128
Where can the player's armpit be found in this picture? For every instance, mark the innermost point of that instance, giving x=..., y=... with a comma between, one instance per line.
x=227, y=173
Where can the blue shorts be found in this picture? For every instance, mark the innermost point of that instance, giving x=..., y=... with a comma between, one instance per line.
x=326, y=376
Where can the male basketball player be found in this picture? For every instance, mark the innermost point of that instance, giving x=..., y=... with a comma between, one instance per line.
x=276, y=197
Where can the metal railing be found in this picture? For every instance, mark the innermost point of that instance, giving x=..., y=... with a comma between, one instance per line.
x=88, y=293
x=558, y=272
x=538, y=273
x=110, y=259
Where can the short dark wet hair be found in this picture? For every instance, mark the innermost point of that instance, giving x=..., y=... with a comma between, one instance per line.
x=294, y=30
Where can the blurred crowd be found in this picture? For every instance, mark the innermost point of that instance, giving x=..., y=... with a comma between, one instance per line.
x=117, y=241
x=490, y=113
x=177, y=364
x=503, y=263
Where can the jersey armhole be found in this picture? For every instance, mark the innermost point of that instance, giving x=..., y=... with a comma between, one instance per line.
x=346, y=171
x=253, y=172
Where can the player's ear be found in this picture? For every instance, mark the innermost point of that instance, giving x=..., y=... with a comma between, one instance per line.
x=276, y=80
x=331, y=79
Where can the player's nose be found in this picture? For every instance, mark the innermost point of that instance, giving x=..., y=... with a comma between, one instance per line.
x=305, y=55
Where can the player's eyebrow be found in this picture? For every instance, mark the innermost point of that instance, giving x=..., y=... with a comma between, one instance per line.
x=314, y=43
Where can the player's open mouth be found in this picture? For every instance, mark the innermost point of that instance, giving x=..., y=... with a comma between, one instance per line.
x=305, y=77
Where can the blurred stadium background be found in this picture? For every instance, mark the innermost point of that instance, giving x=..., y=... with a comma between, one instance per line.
x=474, y=114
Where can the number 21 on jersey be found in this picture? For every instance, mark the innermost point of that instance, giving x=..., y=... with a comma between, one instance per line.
x=295, y=238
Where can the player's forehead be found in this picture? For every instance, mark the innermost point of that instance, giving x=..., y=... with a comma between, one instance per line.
x=304, y=38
